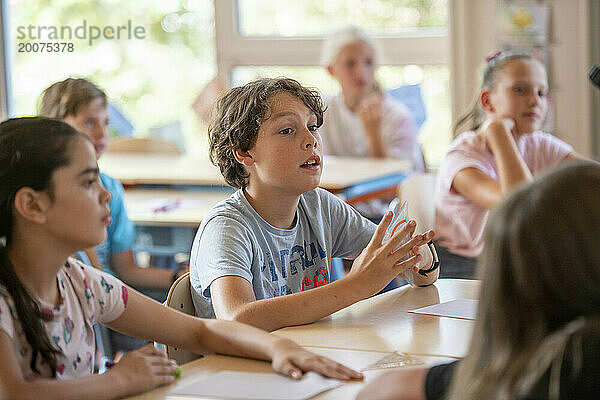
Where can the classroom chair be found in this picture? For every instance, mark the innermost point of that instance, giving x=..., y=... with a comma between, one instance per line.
x=104, y=349
x=171, y=132
x=142, y=145
x=411, y=97
x=180, y=298
x=419, y=192
x=119, y=124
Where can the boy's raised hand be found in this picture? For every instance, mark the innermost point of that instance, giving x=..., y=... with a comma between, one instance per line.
x=292, y=360
x=378, y=264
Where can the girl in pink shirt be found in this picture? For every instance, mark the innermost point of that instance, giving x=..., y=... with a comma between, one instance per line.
x=52, y=204
x=502, y=149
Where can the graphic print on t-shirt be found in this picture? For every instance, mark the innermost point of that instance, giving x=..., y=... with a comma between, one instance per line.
x=308, y=261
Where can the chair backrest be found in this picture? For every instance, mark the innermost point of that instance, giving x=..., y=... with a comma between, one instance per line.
x=180, y=298
x=142, y=145
x=411, y=97
x=419, y=192
x=119, y=124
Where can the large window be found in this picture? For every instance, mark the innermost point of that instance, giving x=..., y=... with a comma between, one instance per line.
x=153, y=78
x=318, y=17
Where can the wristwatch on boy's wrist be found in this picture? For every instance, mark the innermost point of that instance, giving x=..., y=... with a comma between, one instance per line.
x=436, y=262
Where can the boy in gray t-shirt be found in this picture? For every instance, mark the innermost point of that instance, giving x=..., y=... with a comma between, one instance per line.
x=257, y=253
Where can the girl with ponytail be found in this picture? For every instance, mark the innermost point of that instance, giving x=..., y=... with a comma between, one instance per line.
x=502, y=148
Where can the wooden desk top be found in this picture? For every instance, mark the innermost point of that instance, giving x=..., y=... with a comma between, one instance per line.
x=363, y=333
x=160, y=169
x=135, y=169
x=382, y=323
x=204, y=367
x=192, y=206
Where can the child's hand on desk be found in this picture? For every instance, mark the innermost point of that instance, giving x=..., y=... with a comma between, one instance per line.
x=144, y=369
x=292, y=360
x=378, y=263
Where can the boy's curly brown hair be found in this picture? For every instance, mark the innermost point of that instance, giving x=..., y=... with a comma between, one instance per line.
x=238, y=116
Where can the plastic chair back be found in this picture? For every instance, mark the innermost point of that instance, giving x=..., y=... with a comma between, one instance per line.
x=411, y=97
x=180, y=298
x=119, y=124
x=419, y=192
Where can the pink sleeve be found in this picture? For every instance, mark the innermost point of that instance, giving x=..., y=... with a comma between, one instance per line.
x=547, y=151
x=105, y=295
x=458, y=159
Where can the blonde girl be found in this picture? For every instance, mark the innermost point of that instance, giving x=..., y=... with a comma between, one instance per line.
x=503, y=148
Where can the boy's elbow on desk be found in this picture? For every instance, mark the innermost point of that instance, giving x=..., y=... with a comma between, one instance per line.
x=230, y=315
x=242, y=315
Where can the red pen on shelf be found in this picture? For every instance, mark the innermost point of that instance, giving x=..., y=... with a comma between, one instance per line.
x=168, y=207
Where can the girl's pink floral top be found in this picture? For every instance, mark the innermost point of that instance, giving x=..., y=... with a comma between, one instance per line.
x=87, y=296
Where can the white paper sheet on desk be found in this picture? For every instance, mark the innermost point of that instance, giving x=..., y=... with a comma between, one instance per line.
x=459, y=308
x=252, y=385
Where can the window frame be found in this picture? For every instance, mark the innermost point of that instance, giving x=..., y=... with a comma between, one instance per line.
x=426, y=47
x=5, y=63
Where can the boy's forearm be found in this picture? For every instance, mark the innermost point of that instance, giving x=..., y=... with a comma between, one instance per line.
x=299, y=308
